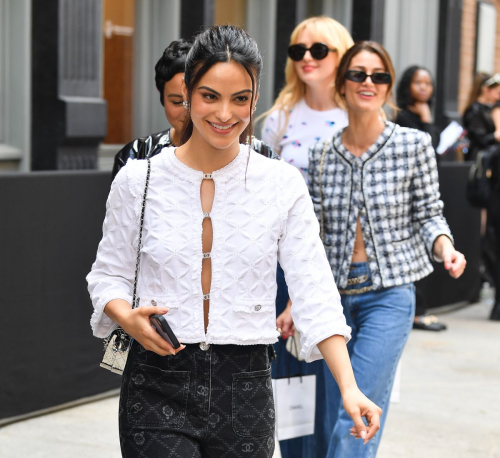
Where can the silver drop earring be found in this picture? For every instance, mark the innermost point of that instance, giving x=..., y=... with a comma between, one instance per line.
x=185, y=104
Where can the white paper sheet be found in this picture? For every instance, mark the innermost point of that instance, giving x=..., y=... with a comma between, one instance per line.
x=449, y=136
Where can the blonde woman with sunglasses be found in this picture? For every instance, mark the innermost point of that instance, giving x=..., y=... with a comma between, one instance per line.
x=304, y=113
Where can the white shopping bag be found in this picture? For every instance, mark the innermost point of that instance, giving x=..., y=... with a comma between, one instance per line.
x=295, y=405
x=277, y=450
x=396, y=388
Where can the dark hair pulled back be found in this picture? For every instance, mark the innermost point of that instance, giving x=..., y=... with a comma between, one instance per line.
x=403, y=91
x=222, y=43
x=172, y=61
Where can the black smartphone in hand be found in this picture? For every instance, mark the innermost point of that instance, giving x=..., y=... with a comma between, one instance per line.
x=162, y=327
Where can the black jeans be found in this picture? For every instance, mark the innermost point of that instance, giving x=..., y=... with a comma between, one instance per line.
x=216, y=403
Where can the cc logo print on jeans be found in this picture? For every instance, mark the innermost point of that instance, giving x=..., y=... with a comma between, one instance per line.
x=247, y=447
x=253, y=404
x=159, y=400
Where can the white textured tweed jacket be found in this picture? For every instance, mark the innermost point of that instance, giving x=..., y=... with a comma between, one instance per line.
x=394, y=189
x=261, y=213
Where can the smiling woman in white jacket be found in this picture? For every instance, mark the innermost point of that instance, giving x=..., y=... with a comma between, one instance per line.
x=218, y=217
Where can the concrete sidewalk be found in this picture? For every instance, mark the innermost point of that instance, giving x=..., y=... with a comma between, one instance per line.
x=449, y=407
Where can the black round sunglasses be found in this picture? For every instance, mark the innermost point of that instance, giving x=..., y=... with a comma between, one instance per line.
x=318, y=51
x=359, y=76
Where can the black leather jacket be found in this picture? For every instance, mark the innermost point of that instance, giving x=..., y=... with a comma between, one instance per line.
x=144, y=147
x=480, y=128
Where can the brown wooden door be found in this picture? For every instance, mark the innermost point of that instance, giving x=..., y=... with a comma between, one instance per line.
x=118, y=38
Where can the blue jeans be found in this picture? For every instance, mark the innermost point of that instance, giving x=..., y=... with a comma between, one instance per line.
x=381, y=321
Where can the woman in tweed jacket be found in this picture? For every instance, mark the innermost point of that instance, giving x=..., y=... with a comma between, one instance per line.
x=375, y=191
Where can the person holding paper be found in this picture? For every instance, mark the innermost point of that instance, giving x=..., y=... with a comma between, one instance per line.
x=414, y=96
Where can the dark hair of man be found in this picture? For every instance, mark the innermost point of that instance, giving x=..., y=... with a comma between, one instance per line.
x=345, y=62
x=172, y=62
x=222, y=43
x=403, y=91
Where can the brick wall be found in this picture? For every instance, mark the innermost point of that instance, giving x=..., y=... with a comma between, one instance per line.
x=468, y=48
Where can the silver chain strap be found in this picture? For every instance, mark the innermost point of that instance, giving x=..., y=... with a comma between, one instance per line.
x=139, y=243
x=320, y=178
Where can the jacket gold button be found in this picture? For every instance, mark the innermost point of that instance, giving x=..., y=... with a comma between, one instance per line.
x=153, y=303
x=258, y=307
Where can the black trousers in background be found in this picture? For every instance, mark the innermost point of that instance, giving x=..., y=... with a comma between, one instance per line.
x=420, y=297
x=216, y=403
x=493, y=241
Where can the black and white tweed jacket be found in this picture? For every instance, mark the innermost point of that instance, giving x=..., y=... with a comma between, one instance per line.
x=393, y=188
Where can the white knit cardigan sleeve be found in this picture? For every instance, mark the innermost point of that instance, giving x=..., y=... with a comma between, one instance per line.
x=112, y=274
x=316, y=307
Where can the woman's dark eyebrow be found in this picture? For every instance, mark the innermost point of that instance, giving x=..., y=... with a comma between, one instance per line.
x=174, y=95
x=363, y=68
x=232, y=95
x=242, y=92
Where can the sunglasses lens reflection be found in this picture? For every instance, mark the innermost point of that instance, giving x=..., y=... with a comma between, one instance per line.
x=356, y=76
x=359, y=76
x=381, y=78
x=296, y=52
x=318, y=51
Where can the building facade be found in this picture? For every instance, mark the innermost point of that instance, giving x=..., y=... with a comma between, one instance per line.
x=77, y=76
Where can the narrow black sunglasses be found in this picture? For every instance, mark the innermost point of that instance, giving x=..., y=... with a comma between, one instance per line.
x=318, y=51
x=359, y=76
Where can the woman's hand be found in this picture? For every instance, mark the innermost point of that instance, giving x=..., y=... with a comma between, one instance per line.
x=357, y=405
x=454, y=261
x=285, y=321
x=423, y=110
x=135, y=322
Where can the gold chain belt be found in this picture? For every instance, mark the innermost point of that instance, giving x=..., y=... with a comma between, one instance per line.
x=357, y=280
x=362, y=290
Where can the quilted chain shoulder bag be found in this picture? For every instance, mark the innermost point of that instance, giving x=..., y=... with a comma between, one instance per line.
x=117, y=344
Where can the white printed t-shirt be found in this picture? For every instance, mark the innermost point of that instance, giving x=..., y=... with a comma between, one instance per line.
x=305, y=128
